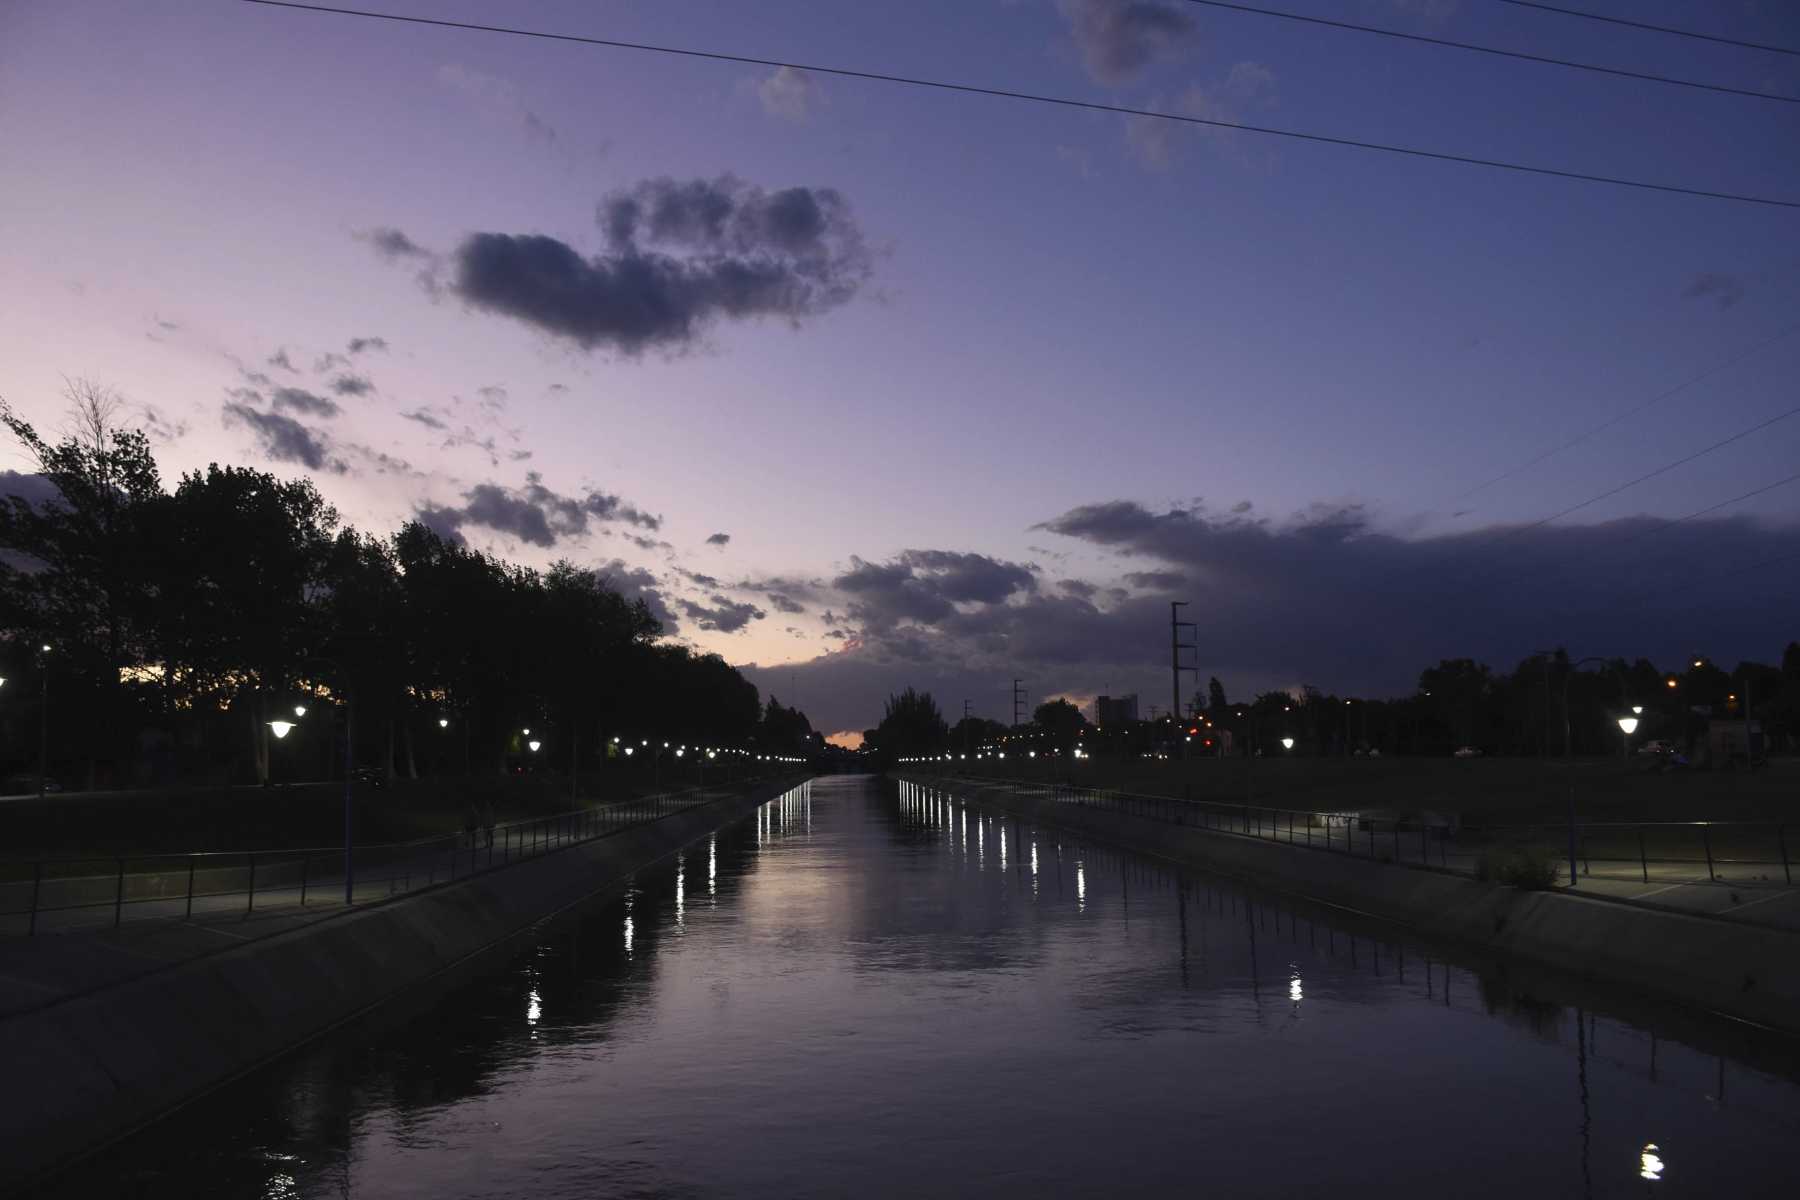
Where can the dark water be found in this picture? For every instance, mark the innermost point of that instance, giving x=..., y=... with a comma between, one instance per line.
x=871, y=990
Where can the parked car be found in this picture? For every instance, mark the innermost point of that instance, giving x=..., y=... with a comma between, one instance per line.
x=1467, y=752
x=1657, y=747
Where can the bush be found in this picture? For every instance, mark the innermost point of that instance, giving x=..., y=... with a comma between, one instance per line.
x=1517, y=866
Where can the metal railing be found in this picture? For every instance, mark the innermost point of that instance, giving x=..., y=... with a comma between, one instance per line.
x=1641, y=851
x=57, y=894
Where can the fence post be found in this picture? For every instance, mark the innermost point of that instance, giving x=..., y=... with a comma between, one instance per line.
x=1780, y=840
x=119, y=896
x=1643, y=856
x=303, y=864
x=1371, y=839
x=1396, y=841
x=1706, y=840
x=250, y=903
x=1424, y=847
x=190, y=898
x=37, y=883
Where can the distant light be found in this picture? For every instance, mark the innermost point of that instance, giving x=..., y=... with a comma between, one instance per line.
x=443, y=722
x=1671, y=683
x=711, y=754
x=615, y=741
x=1697, y=662
x=46, y=649
x=1629, y=725
x=1650, y=1163
x=299, y=710
x=1287, y=743
x=1638, y=708
x=681, y=752
x=280, y=728
x=533, y=745
x=526, y=732
x=630, y=750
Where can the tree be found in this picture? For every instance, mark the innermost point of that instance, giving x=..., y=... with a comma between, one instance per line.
x=1216, y=703
x=911, y=724
x=1061, y=720
x=81, y=585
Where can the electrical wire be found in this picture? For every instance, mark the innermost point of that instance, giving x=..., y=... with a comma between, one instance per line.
x=1542, y=59
x=1038, y=98
x=1686, y=33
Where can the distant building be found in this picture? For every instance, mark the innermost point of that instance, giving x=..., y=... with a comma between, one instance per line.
x=1110, y=709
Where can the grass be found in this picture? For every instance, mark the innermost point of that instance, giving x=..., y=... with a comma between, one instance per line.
x=1482, y=790
x=299, y=815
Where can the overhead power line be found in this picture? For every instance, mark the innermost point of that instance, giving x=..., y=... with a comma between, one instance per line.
x=1037, y=98
x=1579, y=438
x=1543, y=59
x=1686, y=33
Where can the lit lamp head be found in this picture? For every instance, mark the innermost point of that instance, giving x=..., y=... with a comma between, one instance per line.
x=1637, y=710
x=280, y=728
x=299, y=710
x=1287, y=743
x=1629, y=725
x=443, y=722
x=630, y=750
x=533, y=744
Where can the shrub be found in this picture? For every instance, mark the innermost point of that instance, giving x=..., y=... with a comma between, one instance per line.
x=1517, y=866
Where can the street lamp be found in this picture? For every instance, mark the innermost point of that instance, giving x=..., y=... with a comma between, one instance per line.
x=1287, y=743
x=299, y=711
x=281, y=728
x=443, y=722
x=1629, y=726
x=44, y=724
x=533, y=745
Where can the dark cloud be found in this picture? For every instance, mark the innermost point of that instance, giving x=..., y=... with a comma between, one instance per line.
x=36, y=490
x=284, y=439
x=1327, y=598
x=393, y=245
x=1156, y=581
x=493, y=396
x=743, y=253
x=329, y=361
x=280, y=359
x=927, y=585
x=782, y=602
x=302, y=401
x=718, y=539
x=635, y=583
x=352, y=385
x=426, y=418
x=1118, y=38
x=647, y=543
x=533, y=514
x=518, y=455
x=1725, y=290
x=360, y=344
x=725, y=615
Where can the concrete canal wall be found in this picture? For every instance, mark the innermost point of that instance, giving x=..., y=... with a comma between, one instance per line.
x=1725, y=968
x=90, y=1068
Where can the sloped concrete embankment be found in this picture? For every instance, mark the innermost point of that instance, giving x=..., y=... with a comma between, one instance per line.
x=1725, y=968
x=93, y=1067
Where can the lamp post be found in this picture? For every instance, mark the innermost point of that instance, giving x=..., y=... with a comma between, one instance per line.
x=349, y=773
x=44, y=722
x=1569, y=748
x=1629, y=726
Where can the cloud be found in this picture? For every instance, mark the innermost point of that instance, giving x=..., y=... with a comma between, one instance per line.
x=925, y=586
x=284, y=439
x=533, y=514
x=635, y=583
x=36, y=490
x=725, y=615
x=1725, y=290
x=1328, y=597
x=1153, y=140
x=1119, y=38
x=359, y=344
x=302, y=401
x=718, y=539
x=393, y=245
x=782, y=602
x=280, y=359
x=744, y=253
x=352, y=385
x=789, y=93
x=329, y=361
x=496, y=99
x=426, y=418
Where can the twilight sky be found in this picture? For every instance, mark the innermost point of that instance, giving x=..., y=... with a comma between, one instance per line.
x=871, y=385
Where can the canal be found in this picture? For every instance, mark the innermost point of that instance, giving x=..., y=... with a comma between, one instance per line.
x=871, y=989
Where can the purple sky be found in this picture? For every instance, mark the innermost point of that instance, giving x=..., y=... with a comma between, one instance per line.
x=869, y=331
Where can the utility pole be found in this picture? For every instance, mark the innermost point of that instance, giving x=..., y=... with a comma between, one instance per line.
x=965, y=725
x=1018, y=697
x=1176, y=646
